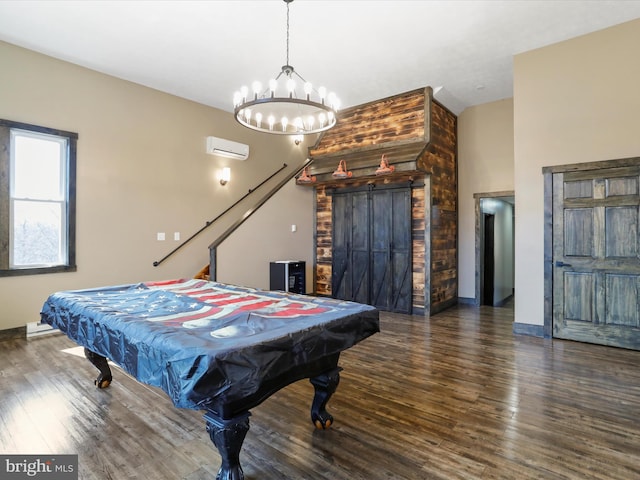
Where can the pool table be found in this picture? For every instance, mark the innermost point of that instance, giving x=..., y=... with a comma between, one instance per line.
x=214, y=347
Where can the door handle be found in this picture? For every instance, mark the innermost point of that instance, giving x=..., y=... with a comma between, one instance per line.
x=562, y=264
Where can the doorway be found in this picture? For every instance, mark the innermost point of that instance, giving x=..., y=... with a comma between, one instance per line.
x=488, y=259
x=495, y=234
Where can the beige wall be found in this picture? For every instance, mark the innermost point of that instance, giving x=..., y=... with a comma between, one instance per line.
x=575, y=101
x=142, y=169
x=485, y=165
x=267, y=236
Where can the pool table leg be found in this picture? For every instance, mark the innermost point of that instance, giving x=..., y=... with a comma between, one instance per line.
x=104, y=379
x=325, y=385
x=227, y=436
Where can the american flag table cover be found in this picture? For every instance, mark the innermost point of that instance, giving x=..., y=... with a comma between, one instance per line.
x=207, y=343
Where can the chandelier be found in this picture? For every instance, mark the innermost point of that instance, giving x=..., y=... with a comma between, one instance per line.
x=286, y=107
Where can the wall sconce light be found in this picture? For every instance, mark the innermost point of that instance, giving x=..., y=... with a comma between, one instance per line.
x=305, y=177
x=342, y=172
x=225, y=175
x=385, y=168
x=298, y=139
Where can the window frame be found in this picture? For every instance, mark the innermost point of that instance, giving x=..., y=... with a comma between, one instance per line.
x=5, y=200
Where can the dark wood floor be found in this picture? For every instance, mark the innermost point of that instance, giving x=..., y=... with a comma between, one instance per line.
x=454, y=396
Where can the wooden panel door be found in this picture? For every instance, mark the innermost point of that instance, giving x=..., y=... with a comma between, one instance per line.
x=372, y=248
x=596, y=263
x=350, y=271
x=391, y=250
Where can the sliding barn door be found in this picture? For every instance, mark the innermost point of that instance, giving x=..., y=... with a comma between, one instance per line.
x=372, y=248
x=350, y=273
x=596, y=263
x=391, y=250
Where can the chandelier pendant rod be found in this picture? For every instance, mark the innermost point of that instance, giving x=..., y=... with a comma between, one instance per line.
x=288, y=2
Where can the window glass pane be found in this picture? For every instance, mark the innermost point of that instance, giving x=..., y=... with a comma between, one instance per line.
x=38, y=167
x=37, y=189
x=37, y=233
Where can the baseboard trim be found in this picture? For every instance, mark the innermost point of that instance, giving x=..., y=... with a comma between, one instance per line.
x=528, y=329
x=504, y=301
x=37, y=329
x=13, y=333
x=466, y=301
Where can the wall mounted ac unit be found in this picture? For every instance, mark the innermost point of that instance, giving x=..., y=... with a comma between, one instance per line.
x=227, y=148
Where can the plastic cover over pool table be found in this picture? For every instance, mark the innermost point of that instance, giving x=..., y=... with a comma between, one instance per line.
x=207, y=344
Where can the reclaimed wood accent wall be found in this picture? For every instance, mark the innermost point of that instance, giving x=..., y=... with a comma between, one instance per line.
x=396, y=119
x=419, y=137
x=420, y=240
x=439, y=160
x=323, y=237
x=397, y=126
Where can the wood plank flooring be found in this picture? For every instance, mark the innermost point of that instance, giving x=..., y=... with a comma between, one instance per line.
x=456, y=396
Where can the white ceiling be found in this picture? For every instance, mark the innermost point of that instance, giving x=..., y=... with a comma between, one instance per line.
x=362, y=50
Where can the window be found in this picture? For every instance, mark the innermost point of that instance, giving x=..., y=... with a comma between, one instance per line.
x=37, y=199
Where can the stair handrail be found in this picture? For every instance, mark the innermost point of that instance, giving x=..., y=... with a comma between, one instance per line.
x=212, y=221
x=223, y=236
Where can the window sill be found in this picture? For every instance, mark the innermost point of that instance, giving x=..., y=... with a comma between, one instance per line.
x=38, y=271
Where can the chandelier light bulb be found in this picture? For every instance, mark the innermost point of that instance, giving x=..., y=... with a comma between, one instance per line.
x=332, y=99
x=308, y=88
x=311, y=110
x=256, y=86
x=291, y=86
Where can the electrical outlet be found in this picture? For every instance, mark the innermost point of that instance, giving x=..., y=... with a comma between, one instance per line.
x=160, y=236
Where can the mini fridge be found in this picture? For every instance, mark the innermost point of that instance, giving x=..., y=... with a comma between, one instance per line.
x=288, y=276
